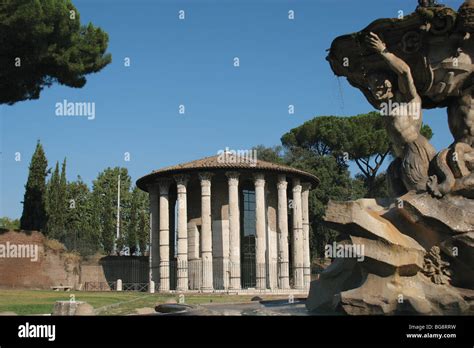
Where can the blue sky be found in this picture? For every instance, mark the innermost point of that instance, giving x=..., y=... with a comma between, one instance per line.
x=190, y=62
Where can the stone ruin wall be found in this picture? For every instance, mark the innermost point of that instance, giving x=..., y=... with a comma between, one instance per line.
x=52, y=268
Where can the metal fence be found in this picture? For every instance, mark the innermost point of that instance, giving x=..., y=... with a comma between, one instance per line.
x=219, y=274
x=252, y=275
x=130, y=269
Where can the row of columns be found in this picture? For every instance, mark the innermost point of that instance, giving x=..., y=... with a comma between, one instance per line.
x=159, y=205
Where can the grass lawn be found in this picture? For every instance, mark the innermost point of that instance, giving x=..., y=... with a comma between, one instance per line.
x=25, y=302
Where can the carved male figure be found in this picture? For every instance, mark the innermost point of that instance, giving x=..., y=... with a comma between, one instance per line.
x=410, y=146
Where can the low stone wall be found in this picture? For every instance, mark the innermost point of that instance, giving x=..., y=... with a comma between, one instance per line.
x=29, y=260
x=92, y=275
x=45, y=263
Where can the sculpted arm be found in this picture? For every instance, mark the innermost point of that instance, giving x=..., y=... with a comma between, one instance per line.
x=405, y=78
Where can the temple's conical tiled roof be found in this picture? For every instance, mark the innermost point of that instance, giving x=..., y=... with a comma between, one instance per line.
x=216, y=162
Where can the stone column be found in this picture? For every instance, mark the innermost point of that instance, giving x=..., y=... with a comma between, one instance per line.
x=206, y=232
x=172, y=200
x=182, y=259
x=164, y=235
x=220, y=253
x=154, y=255
x=272, y=235
x=283, y=251
x=260, y=240
x=306, y=251
x=234, y=230
x=298, y=252
x=194, y=259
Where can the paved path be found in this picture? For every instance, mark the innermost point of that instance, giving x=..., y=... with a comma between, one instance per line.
x=265, y=308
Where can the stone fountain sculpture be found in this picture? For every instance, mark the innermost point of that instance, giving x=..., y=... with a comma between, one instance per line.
x=419, y=244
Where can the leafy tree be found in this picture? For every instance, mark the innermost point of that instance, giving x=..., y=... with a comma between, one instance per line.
x=43, y=42
x=362, y=139
x=84, y=221
x=143, y=233
x=137, y=230
x=9, y=224
x=82, y=230
x=34, y=203
x=105, y=201
x=270, y=154
x=132, y=227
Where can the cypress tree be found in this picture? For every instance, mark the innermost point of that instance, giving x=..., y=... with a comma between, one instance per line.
x=57, y=203
x=62, y=180
x=62, y=200
x=34, y=210
x=51, y=203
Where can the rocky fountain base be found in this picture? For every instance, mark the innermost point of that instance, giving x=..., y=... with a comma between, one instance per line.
x=417, y=257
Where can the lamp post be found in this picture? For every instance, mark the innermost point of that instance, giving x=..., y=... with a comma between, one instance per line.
x=117, y=237
x=150, y=255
